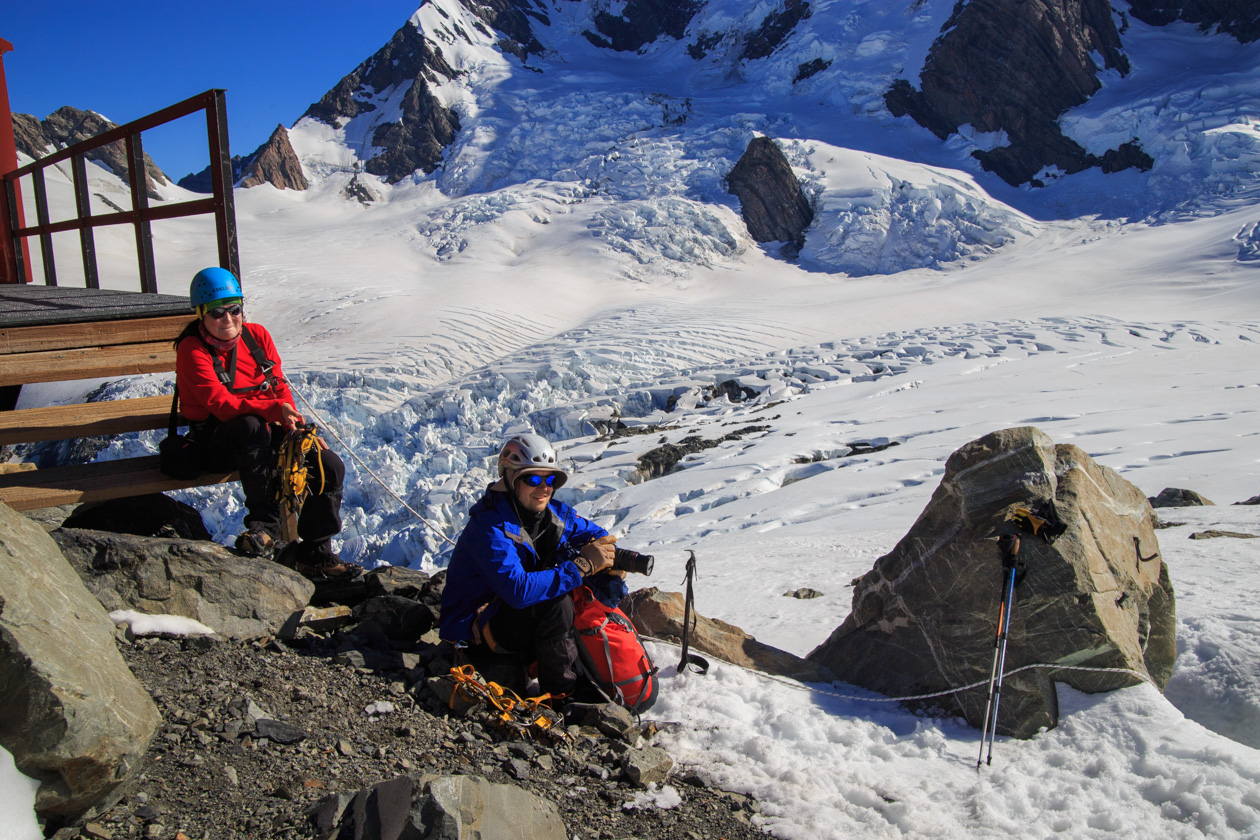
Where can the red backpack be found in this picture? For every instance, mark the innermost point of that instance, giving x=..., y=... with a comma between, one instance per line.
x=612, y=652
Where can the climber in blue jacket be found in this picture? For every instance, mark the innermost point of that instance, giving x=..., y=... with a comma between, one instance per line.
x=507, y=596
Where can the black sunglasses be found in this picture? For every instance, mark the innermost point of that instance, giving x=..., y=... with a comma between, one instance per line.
x=221, y=312
x=536, y=479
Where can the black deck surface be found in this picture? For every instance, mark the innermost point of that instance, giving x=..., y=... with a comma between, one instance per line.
x=24, y=306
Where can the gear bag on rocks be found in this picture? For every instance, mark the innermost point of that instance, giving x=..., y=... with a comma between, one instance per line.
x=612, y=652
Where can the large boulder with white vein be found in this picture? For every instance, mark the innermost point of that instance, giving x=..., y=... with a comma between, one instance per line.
x=72, y=714
x=1097, y=597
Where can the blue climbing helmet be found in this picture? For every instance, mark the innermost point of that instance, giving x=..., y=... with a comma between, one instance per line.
x=211, y=286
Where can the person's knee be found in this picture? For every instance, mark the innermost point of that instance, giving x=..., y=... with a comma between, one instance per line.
x=555, y=619
x=333, y=468
x=248, y=431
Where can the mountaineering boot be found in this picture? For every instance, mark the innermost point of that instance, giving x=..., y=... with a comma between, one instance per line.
x=317, y=561
x=255, y=543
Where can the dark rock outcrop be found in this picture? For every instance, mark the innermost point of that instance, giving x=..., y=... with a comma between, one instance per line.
x=1178, y=497
x=1014, y=68
x=775, y=29
x=510, y=19
x=274, y=163
x=771, y=201
x=415, y=141
x=150, y=515
x=28, y=133
x=71, y=713
x=1098, y=596
x=1240, y=18
x=200, y=182
x=641, y=22
x=67, y=126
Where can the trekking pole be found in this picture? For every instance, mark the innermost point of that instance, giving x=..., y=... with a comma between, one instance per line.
x=1009, y=543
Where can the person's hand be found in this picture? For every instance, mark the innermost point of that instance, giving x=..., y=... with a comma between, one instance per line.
x=596, y=556
x=289, y=417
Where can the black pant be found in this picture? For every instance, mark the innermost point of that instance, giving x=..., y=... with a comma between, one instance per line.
x=541, y=633
x=247, y=444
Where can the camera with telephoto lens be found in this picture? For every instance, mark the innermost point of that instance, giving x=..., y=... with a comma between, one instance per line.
x=625, y=560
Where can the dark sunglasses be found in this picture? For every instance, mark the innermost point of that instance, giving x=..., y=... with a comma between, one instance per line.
x=536, y=479
x=221, y=312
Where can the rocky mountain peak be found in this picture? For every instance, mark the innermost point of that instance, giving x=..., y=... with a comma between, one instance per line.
x=66, y=126
x=1014, y=68
x=415, y=141
x=275, y=163
x=1240, y=18
x=641, y=22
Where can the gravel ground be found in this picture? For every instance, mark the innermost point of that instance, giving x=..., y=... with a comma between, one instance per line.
x=211, y=774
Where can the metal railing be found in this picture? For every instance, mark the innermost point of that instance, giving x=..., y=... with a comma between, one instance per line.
x=141, y=214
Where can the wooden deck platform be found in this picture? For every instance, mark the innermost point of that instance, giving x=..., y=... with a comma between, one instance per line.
x=53, y=334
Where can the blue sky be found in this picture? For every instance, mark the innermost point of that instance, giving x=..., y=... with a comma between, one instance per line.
x=131, y=58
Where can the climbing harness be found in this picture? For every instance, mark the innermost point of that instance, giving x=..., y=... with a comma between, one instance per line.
x=227, y=375
x=294, y=485
x=699, y=663
x=524, y=717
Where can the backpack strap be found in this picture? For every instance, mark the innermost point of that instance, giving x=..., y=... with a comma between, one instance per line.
x=228, y=375
x=174, y=413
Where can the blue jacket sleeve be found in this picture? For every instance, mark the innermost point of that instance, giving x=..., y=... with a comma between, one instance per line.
x=578, y=530
x=498, y=563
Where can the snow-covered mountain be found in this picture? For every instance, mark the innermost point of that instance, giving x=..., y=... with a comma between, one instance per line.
x=476, y=103
x=573, y=263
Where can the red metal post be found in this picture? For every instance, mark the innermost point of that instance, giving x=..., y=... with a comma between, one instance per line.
x=10, y=204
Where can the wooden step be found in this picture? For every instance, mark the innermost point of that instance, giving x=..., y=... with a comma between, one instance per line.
x=91, y=333
x=87, y=363
x=95, y=483
x=110, y=417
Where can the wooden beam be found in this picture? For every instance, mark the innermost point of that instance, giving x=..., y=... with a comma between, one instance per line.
x=111, y=417
x=87, y=363
x=92, y=334
x=94, y=483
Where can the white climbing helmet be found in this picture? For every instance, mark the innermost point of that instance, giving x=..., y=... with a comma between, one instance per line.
x=529, y=453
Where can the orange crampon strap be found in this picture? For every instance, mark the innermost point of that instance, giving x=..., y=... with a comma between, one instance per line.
x=526, y=716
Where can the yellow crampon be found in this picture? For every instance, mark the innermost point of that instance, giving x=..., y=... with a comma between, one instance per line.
x=529, y=716
x=295, y=486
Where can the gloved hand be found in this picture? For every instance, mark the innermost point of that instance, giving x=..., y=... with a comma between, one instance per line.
x=595, y=556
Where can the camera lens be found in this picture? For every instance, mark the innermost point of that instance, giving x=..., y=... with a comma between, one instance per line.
x=625, y=560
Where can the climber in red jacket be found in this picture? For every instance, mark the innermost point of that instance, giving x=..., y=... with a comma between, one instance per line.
x=238, y=405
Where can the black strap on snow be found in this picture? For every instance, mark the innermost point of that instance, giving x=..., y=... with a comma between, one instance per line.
x=228, y=376
x=699, y=663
